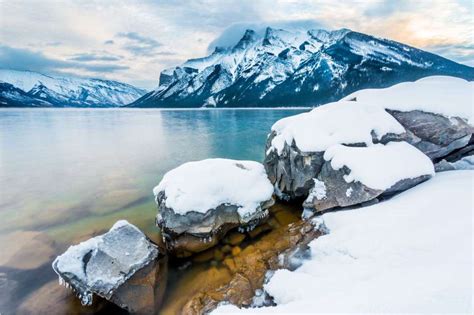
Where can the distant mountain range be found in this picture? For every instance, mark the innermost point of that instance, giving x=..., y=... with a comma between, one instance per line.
x=32, y=89
x=283, y=68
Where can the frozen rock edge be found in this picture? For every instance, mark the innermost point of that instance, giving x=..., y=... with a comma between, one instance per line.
x=102, y=264
x=199, y=202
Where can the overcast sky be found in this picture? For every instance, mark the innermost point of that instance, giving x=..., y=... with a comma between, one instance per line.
x=132, y=41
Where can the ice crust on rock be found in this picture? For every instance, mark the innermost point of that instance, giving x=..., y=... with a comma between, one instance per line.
x=204, y=185
x=341, y=122
x=103, y=263
x=380, y=166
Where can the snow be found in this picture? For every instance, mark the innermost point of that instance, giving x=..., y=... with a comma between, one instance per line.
x=204, y=185
x=334, y=123
x=318, y=191
x=410, y=254
x=100, y=92
x=444, y=95
x=380, y=166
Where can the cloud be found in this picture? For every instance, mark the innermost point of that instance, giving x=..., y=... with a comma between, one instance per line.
x=138, y=44
x=87, y=57
x=232, y=34
x=25, y=59
x=109, y=42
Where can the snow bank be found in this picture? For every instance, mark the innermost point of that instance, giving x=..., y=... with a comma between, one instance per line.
x=380, y=166
x=410, y=254
x=334, y=123
x=447, y=96
x=203, y=185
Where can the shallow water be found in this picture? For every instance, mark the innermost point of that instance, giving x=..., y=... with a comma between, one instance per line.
x=69, y=174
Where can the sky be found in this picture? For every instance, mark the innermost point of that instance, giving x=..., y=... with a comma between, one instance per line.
x=132, y=41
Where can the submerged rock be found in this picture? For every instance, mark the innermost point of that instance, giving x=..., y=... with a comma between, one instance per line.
x=120, y=266
x=26, y=250
x=240, y=273
x=199, y=202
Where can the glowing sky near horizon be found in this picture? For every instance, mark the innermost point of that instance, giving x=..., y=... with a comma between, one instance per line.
x=132, y=41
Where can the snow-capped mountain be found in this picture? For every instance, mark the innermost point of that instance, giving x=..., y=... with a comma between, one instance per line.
x=32, y=89
x=283, y=68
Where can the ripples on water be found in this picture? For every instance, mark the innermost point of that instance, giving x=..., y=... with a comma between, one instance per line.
x=69, y=174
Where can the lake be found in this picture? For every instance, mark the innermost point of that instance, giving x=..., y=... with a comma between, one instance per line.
x=69, y=174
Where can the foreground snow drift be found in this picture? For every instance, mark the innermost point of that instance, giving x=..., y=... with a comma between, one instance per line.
x=410, y=254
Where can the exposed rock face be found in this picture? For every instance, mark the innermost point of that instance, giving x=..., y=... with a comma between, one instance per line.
x=465, y=163
x=435, y=135
x=199, y=202
x=119, y=266
x=195, y=232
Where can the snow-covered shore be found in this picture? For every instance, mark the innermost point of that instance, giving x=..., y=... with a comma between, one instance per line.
x=410, y=254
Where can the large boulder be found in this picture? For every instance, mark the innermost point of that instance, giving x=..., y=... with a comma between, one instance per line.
x=122, y=266
x=295, y=148
x=199, y=202
x=421, y=113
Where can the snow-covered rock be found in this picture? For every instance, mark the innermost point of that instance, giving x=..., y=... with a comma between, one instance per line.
x=295, y=68
x=354, y=175
x=437, y=112
x=102, y=265
x=295, y=152
x=32, y=89
x=409, y=254
x=198, y=202
x=443, y=95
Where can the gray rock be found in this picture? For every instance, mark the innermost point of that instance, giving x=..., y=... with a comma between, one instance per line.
x=435, y=135
x=292, y=171
x=465, y=163
x=103, y=264
x=330, y=190
x=196, y=231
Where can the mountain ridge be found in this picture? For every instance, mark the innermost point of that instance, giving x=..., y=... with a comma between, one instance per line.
x=33, y=89
x=288, y=68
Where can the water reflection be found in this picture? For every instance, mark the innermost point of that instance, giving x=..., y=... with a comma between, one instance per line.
x=70, y=174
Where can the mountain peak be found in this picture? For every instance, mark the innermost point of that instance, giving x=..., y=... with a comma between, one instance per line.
x=38, y=89
x=249, y=37
x=296, y=68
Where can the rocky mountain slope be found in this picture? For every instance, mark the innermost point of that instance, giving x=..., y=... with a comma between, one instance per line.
x=283, y=68
x=32, y=89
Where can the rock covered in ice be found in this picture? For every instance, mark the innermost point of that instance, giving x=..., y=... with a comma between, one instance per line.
x=101, y=265
x=353, y=175
x=202, y=200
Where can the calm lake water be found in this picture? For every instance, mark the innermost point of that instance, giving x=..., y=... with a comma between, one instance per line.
x=69, y=174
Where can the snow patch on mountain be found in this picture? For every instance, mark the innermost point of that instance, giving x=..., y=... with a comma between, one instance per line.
x=70, y=91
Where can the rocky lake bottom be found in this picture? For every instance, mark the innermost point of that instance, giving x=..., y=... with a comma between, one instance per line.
x=67, y=175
